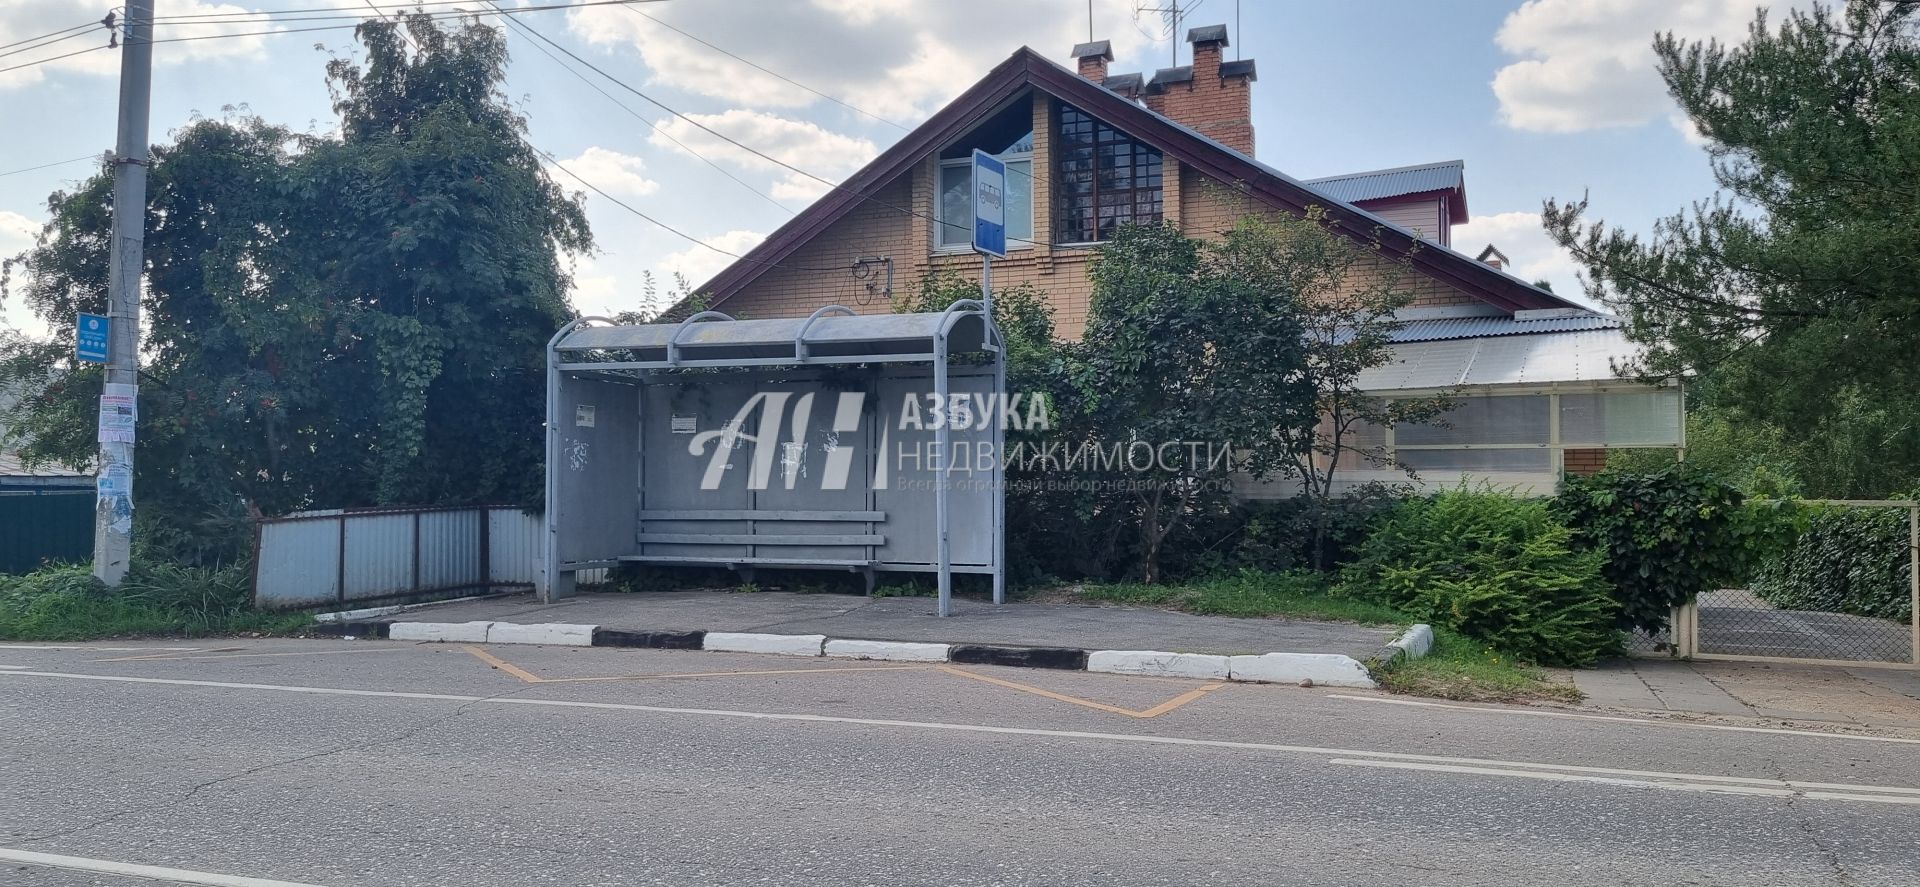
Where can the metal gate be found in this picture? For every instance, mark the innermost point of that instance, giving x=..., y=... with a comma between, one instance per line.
x=1866, y=590
x=43, y=526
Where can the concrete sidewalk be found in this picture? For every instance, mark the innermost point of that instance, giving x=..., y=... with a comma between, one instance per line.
x=1879, y=697
x=912, y=619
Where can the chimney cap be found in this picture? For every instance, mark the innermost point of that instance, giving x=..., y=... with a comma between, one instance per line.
x=1208, y=34
x=1125, y=84
x=1165, y=76
x=1096, y=49
x=1238, y=68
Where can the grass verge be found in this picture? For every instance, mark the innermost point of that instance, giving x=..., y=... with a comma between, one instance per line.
x=1297, y=595
x=1457, y=668
x=66, y=604
x=1462, y=669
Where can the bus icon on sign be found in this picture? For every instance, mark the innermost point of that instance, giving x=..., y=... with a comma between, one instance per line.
x=989, y=205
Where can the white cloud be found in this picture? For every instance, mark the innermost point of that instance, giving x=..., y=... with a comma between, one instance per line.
x=16, y=235
x=598, y=293
x=1589, y=64
x=1534, y=255
x=797, y=143
x=620, y=174
x=697, y=263
x=25, y=20
x=896, y=58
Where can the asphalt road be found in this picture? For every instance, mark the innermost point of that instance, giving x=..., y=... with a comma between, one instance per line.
x=339, y=764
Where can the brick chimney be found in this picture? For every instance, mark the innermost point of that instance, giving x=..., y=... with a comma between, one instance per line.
x=1093, y=58
x=1211, y=95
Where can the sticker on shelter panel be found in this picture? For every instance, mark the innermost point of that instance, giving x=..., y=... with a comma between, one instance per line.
x=837, y=439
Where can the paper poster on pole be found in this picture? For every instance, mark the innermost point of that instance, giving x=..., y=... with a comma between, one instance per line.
x=119, y=413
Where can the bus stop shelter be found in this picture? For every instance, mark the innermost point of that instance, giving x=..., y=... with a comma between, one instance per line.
x=838, y=441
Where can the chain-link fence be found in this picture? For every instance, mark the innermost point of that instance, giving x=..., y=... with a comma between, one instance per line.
x=1832, y=581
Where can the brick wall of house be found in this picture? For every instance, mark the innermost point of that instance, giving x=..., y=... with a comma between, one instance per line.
x=819, y=273
x=1585, y=462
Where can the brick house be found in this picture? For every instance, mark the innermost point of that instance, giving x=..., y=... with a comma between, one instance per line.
x=1088, y=150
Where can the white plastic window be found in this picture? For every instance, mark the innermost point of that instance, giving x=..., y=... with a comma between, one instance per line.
x=1511, y=419
x=1623, y=418
x=954, y=230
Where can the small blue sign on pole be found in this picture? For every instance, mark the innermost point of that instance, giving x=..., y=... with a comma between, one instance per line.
x=989, y=204
x=90, y=337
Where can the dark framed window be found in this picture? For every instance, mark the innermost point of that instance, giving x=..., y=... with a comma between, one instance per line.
x=1103, y=179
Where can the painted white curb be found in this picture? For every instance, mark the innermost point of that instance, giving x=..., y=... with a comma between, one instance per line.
x=892, y=651
x=1324, y=669
x=1149, y=662
x=357, y=615
x=748, y=642
x=1416, y=641
x=559, y=633
x=458, y=632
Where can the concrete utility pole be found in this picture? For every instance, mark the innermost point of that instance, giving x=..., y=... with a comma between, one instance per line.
x=119, y=398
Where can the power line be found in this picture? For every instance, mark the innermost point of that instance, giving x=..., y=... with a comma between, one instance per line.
x=525, y=30
x=49, y=165
x=48, y=39
x=51, y=34
x=321, y=12
x=663, y=225
x=755, y=151
x=436, y=16
x=51, y=59
x=770, y=72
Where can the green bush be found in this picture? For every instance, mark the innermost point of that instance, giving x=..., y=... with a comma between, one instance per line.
x=1666, y=535
x=1497, y=568
x=66, y=604
x=1846, y=560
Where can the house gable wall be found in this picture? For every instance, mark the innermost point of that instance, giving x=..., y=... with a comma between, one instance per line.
x=819, y=272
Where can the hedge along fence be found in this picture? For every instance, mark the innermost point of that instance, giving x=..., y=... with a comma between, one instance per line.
x=1843, y=557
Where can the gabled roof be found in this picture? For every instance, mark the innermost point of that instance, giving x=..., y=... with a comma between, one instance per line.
x=1026, y=69
x=1446, y=176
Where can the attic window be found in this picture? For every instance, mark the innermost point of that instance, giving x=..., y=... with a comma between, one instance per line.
x=1007, y=135
x=1105, y=179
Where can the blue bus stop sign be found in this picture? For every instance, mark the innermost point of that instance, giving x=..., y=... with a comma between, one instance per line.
x=90, y=337
x=989, y=205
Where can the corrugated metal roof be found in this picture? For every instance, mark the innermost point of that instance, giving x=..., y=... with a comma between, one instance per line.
x=1580, y=356
x=1448, y=175
x=1437, y=329
x=11, y=466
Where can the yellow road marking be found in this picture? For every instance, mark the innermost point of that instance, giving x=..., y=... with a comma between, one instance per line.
x=1181, y=700
x=504, y=665
x=175, y=656
x=1153, y=712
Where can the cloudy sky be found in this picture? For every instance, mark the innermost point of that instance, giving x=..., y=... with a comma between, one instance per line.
x=1546, y=98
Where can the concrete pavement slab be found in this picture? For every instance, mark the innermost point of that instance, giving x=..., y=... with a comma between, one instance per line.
x=913, y=619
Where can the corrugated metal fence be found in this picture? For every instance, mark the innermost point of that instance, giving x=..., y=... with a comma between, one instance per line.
x=45, y=526
x=341, y=557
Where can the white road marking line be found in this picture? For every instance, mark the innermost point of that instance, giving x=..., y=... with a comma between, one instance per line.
x=152, y=872
x=100, y=649
x=1678, y=786
x=1145, y=739
x=16, y=666
x=1620, y=719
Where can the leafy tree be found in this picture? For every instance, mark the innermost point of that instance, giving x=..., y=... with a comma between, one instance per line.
x=1667, y=536
x=1343, y=299
x=1792, y=289
x=339, y=320
x=1188, y=355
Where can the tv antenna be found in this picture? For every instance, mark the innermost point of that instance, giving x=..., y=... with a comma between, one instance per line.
x=1163, y=22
